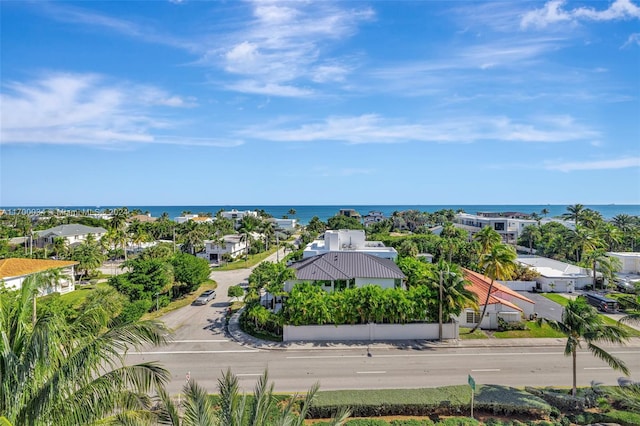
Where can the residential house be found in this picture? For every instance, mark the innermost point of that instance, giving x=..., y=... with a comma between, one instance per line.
x=14, y=271
x=504, y=303
x=143, y=218
x=234, y=245
x=284, y=224
x=373, y=217
x=509, y=227
x=73, y=234
x=194, y=218
x=237, y=215
x=557, y=276
x=630, y=261
x=346, y=269
x=349, y=213
x=350, y=240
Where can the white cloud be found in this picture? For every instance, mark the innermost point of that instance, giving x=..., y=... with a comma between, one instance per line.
x=620, y=163
x=287, y=45
x=634, y=39
x=553, y=13
x=372, y=128
x=86, y=109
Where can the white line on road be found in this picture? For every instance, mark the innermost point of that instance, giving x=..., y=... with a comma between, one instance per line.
x=371, y=372
x=375, y=355
x=486, y=370
x=598, y=368
x=199, y=341
x=191, y=352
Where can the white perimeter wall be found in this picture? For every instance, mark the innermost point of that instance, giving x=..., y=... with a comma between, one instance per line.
x=520, y=285
x=368, y=332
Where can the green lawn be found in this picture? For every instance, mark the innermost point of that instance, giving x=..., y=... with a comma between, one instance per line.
x=179, y=303
x=478, y=334
x=76, y=297
x=253, y=260
x=533, y=330
x=559, y=299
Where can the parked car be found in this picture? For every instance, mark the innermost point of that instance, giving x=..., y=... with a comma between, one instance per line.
x=625, y=286
x=205, y=297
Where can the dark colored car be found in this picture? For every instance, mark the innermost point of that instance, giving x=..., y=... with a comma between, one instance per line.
x=205, y=297
x=626, y=286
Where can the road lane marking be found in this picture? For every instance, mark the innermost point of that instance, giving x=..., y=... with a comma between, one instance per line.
x=199, y=341
x=189, y=352
x=481, y=370
x=376, y=355
x=598, y=368
x=371, y=372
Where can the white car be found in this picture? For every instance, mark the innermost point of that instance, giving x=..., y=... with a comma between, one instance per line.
x=205, y=297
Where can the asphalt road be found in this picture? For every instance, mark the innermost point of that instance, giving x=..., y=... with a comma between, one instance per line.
x=202, y=351
x=544, y=307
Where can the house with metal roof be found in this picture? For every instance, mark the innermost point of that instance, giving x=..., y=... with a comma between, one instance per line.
x=73, y=233
x=14, y=271
x=343, y=269
x=504, y=303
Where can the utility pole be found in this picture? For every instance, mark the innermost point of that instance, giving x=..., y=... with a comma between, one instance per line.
x=277, y=248
x=440, y=309
x=174, y=240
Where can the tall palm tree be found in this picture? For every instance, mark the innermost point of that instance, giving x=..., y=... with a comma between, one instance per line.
x=585, y=240
x=598, y=261
x=58, y=372
x=574, y=212
x=498, y=264
x=488, y=238
x=118, y=225
x=581, y=322
x=544, y=212
x=454, y=296
x=531, y=233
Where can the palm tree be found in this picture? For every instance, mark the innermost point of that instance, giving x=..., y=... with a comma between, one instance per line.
x=585, y=240
x=498, y=264
x=581, y=322
x=58, y=372
x=574, y=212
x=530, y=233
x=448, y=280
x=118, y=225
x=488, y=238
x=544, y=212
x=235, y=410
x=598, y=261
x=89, y=255
x=42, y=281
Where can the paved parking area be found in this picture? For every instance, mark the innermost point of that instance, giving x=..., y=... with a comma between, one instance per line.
x=544, y=307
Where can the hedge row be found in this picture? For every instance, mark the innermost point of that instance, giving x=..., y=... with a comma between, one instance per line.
x=449, y=400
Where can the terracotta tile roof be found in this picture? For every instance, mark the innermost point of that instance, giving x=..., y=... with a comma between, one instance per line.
x=479, y=284
x=16, y=267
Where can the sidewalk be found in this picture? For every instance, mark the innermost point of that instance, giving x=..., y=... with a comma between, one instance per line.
x=246, y=340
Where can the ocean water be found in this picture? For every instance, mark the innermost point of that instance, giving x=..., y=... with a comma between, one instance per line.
x=305, y=213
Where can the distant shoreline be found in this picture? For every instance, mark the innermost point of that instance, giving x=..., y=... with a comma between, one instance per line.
x=304, y=213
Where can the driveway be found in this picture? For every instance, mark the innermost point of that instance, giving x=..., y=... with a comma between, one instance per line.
x=544, y=307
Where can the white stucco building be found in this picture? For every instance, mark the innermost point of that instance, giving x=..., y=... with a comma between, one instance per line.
x=509, y=226
x=234, y=245
x=14, y=271
x=285, y=224
x=556, y=276
x=73, y=234
x=348, y=240
x=630, y=262
x=237, y=215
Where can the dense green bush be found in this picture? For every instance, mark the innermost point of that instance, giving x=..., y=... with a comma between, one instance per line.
x=508, y=326
x=190, y=271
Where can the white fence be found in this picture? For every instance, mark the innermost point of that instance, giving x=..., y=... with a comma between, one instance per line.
x=369, y=332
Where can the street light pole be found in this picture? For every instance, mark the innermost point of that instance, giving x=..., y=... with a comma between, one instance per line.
x=440, y=309
x=157, y=302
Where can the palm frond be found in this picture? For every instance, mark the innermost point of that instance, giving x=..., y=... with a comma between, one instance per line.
x=198, y=410
x=612, y=361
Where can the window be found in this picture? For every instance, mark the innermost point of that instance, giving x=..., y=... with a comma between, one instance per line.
x=499, y=226
x=473, y=317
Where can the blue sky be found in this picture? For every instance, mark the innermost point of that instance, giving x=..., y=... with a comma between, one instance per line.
x=362, y=102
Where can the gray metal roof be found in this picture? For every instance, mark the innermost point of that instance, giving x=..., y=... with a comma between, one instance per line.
x=71, y=230
x=341, y=265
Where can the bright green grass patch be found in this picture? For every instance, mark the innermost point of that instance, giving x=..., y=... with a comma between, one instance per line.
x=75, y=298
x=559, y=299
x=478, y=334
x=533, y=330
x=623, y=417
x=252, y=260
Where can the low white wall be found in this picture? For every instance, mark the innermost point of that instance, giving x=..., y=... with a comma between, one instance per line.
x=369, y=332
x=520, y=285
